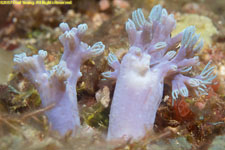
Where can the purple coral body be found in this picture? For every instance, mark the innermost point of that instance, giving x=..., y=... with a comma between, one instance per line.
x=154, y=58
x=58, y=86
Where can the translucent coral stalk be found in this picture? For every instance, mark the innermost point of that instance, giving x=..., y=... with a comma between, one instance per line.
x=153, y=59
x=58, y=85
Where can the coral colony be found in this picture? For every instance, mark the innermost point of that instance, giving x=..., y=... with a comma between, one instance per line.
x=154, y=58
x=59, y=84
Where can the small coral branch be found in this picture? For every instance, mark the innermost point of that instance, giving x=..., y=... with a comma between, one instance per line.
x=114, y=63
x=58, y=85
x=154, y=58
x=31, y=67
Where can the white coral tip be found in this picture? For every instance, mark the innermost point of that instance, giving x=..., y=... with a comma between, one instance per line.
x=64, y=27
x=194, y=40
x=187, y=36
x=194, y=82
x=184, y=92
x=138, y=17
x=170, y=54
x=164, y=12
x=175, y=94
x=107, y=74
x=186, y=69
x=82, y=28
x=155, y=14
x=18, y=58
x=130, y=25
x=160, y=45
x=69, y=34
x=111, y=58
x=97, y=48
x=42, y=53
x=61, y=71
x=199, y=46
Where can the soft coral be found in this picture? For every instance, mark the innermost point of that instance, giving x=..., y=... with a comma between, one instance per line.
x=154, y=57
x=58, y=86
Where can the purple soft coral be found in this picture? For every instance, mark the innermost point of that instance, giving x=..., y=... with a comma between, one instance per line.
x=58, y=85
x=153, y=59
